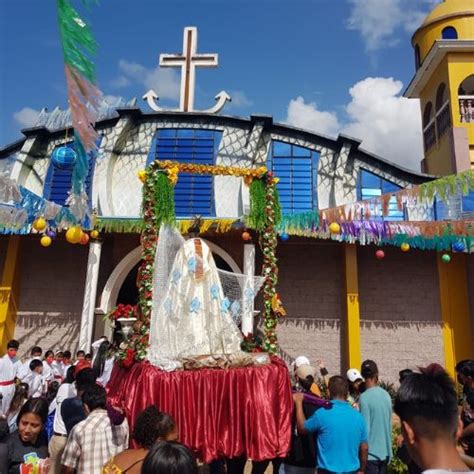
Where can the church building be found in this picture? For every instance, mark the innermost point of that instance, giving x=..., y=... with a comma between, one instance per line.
x=343, y=305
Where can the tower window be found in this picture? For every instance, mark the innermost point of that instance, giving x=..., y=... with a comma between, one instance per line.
x=449, y=33
x=443, y=116
x=466, y=100
x=417, y=57
x=429, y=127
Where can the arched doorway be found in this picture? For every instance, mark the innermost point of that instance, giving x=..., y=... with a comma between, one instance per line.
x=121, y=284
x=128, y=292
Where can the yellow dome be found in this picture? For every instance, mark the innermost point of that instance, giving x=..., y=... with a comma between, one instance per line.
x=448, y=9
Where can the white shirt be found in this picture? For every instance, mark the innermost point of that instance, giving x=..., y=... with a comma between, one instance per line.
x=47, y=371
x=95, y=348
x=36, y=384
x=58, y=369
x=106, y=374
x=8, y=368
x=66, y=390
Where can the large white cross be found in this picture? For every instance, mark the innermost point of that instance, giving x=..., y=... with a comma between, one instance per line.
x=188, y=60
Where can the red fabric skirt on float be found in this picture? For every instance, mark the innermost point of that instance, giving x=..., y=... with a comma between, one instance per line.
x=219, y=412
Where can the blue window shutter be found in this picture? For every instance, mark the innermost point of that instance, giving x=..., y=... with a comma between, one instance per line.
x=58, y=182
x=296, y=167
x=370, y=185
x=194, y=194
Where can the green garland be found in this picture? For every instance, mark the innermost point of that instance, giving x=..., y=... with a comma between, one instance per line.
x=163, y=199
x=268, y=244
x=257, y=217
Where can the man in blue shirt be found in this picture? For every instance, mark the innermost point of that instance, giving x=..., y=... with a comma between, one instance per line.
x=340, y=430
x=376, y=408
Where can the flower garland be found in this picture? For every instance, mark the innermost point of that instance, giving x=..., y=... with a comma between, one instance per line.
x=158, y=207
x=214, y=170
x=122, y=311
x=268, y=244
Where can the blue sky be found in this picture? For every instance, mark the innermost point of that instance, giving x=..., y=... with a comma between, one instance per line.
x=306, y=62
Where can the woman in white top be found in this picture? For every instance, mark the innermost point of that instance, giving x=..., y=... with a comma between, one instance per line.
x=103, y=361
x=19, y=399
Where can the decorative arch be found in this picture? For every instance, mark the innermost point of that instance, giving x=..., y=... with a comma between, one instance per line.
x=467, y=86
x=427, y=114
x=466, y=99
x=449, y=33
x=417, y=56
x=117, y=277
x=441, y=96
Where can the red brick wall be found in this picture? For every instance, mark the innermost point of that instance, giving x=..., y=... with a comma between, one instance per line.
x=311, y=284
x=51, y=295
x=400, y=309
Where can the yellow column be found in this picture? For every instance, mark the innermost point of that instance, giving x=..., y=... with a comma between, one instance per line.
x=455, y=311
x=352, y=300
x=9, y=291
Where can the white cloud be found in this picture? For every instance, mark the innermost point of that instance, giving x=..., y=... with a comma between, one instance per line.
x=27, y=116
x=388, y=124
x=377, y=21
x=309, y=117
x=120, y=82
x=164, y=81
x=240, y=100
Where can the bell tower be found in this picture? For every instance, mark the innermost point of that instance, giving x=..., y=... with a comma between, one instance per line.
x=444, y=83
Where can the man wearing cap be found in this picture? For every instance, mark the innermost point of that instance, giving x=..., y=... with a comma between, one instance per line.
x=341, y=433
x=9, y=366
x=376, y=408
x=355, y=381
x=305, y=372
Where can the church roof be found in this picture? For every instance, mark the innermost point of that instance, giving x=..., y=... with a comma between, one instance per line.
x=449, y=9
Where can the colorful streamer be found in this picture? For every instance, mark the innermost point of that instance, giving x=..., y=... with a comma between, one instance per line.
x=78, y=46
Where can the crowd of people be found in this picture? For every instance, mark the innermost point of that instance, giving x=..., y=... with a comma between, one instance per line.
x=55, y=415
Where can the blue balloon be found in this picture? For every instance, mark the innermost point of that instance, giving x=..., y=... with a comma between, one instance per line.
x=458, y=246
x=64, y=158
x=284, y=237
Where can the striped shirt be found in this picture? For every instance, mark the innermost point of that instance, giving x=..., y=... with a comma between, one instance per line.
x=93, y=442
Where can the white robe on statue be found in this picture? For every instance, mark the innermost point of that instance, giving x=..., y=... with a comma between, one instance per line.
x=193, y=318
x=8, y=372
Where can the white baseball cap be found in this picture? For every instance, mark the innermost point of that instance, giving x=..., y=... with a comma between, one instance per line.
x=304, y=371
x=353, y=375
x=301, y=360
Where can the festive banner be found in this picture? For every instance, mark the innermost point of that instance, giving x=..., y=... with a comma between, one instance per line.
x=78, y=46
x=19, y=208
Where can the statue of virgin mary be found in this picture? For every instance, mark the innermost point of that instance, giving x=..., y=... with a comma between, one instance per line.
x=191, y=318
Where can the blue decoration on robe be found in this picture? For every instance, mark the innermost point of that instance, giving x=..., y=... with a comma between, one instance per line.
x=214, y=292
x=175, y=276
x=225, y=304
x=167, y=305
x=192, y=264
x=249, y=293
x=235, y=308
x=194, y=305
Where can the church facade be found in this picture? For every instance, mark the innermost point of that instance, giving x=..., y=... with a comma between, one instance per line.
x=61, y=293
